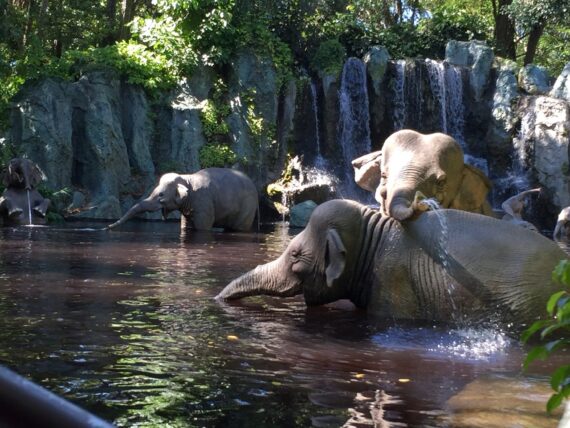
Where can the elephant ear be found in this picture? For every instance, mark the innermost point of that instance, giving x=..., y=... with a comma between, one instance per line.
x=472, y=193
x=335, y=257
x=367, y=171
x=181, y=194
x=37, y=175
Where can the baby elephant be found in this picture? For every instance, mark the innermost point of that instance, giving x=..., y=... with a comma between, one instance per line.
x=562, y=229
x=211, y=197
x=21, y=203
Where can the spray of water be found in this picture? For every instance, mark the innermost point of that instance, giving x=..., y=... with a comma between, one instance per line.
x=29, y=208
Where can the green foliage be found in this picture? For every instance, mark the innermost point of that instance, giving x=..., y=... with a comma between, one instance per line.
x=212, y=117
x=330, y=57
x=217, y=155
x=554, y=335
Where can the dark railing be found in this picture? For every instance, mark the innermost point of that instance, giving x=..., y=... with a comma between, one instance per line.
x=25, y=404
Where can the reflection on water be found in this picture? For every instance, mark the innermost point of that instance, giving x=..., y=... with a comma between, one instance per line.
x=124, y=324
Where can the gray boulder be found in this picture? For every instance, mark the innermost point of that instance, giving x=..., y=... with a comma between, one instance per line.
x=376, y=60
x=41, y=127
x=561, y=88
x=299, y=214
x=476, y=55
x=534, y=79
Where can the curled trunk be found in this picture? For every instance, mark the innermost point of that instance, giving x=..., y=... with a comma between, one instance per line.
x=400, y=208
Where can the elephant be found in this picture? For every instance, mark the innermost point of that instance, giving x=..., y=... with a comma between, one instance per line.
x=447, y=265
x=562, y=228
x=21, y=203
x=431, y=164
x=220, y=197
x=514, y=206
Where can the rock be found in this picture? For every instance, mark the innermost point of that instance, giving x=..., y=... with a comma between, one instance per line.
x=476, y=55
x=252, y=92
x=329, y=107
x=504, y=117
x=41, y=119
x=101, y=162
x=544, y=138
x=77, y=201
x=137, y=131
x=376, y=60
x=180, y=127
x=534, y=79
x=561, y=88
x=299, y=214
x=107, y=208
x=285, y=127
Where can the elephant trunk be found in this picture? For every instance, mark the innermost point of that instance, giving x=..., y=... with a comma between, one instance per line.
x=143, y=206
x=264, y=279
x=400, y=206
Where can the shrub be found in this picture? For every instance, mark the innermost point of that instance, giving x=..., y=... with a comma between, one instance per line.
x=558, y=307
x=329, y=57
x=214, y=155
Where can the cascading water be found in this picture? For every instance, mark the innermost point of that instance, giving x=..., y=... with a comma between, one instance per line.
x=320, y=162
x=447, y=88
x=29, y=208
x=354, y=128
x=399, y=101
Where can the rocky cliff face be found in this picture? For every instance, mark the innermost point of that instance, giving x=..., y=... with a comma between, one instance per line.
x=104, y=138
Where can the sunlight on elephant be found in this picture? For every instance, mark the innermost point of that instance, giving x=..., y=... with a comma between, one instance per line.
x=448, y=265
x=432, y=164
x=21, y=203
x=220, y=197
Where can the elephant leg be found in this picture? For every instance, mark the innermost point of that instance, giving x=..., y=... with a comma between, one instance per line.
x=41, y=207
x=12, y=209
x=202, y=219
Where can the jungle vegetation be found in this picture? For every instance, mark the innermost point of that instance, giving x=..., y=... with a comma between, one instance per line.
x=155, y=42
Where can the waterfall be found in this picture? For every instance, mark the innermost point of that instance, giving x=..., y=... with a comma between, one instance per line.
x=320, y=162
x=399, y=100
x=447, y=88
x=353, y=126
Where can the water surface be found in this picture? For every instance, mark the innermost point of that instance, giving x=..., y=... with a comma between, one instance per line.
x=124, y=324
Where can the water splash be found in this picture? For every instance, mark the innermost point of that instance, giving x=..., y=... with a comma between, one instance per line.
x=474, y=344
x=354, y=129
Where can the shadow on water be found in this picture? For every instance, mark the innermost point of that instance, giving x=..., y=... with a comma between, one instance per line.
x=124, y=324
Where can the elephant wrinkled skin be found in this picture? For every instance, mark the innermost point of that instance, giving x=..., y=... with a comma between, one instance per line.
x=432, y=164
x=220, y=197
x=21, y=203
x=446, y=265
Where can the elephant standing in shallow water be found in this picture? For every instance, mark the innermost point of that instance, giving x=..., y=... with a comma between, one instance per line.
x=444, y=265
x=21, y=203
x=433, y=164
x=211, y=197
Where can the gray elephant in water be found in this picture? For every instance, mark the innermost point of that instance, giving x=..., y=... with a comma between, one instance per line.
x=21, y=203
x=431, y=164
x=562, y=228
x=220, y=197
x=444, y=266
x=514, y=207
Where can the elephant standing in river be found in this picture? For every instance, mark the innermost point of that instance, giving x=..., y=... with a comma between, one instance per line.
x=220, y=197
x=562, y=228
x=444, y=266
x=21, y=203
x=433, y=165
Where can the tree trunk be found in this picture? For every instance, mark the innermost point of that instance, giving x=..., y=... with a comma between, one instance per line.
x=110, y=11
x=504, y=31
x=127, y=15
x=532, y=44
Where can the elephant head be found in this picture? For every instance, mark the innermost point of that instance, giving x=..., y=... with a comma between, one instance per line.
x=562, y=229
x=23, y=173
x=320, y=272
x=433, y=165
x=169, y=195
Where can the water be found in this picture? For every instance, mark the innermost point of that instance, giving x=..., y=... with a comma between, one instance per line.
x=354, y=120
x=29, y=208
x=399, y=102
x=320, y=161
x=124, y=324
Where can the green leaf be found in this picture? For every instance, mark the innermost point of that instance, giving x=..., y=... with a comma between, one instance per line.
x=537, y=325
x=538, y=352
x=560, y=377
x=554, y=401
x=553, y=300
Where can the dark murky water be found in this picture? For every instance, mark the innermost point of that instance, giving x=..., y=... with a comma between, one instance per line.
x=123, y=323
